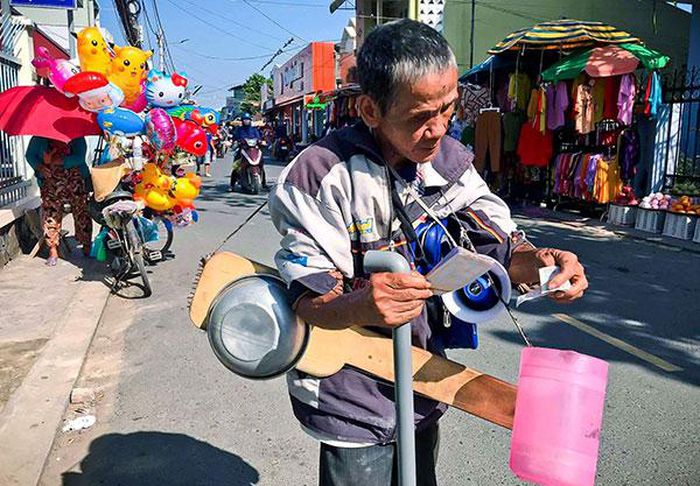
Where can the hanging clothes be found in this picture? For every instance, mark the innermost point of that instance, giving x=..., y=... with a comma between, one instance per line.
x=625, y=99
x=537, y=109
x=598, y=99
x=519, y=88
x=474, y=97
x=511, y=129
x=585, y=109
x=628, y=150
x=612, y=90
x=557, y=103
x=535, y=147
x=652, y=95
x=488, y=141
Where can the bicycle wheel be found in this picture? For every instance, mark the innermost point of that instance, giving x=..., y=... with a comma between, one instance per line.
x=165, y=235
x=135, y=253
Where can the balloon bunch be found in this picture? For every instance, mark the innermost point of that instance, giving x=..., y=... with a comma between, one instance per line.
x=139, y=109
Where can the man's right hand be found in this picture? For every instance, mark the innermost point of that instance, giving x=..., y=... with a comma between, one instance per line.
x=393, y=299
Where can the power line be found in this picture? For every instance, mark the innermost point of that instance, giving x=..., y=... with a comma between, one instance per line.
x=214, y=26
x=247, y=2
x=165, y=39
x=279, y=51
x=292, y=4
x=220, y=58
x=235, y=22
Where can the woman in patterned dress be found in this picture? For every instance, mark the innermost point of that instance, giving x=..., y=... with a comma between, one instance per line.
x=63, y=177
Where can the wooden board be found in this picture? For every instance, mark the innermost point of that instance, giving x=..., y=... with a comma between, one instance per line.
x=433, y=376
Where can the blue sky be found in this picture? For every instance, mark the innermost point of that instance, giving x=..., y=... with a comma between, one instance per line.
x=220, y=31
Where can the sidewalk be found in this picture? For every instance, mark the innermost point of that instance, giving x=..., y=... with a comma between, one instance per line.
x=49, y=316
x=578, y=221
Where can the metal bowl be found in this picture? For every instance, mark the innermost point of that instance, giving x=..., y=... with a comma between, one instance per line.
x=253, y=330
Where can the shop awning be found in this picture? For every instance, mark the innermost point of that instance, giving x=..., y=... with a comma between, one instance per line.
x=563, y=34
x=606, y=61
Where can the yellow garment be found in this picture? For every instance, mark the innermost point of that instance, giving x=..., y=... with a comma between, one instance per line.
x=598, y=99
x=537, y=109
x=607, y=181
x=519, y=87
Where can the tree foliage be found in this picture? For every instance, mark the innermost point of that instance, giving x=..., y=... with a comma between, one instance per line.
x=251, y=88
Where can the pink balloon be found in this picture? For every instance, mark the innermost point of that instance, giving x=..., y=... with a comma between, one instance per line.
x=161, y=130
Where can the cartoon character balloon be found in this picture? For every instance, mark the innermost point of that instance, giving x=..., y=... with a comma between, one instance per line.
x=140, y=103
x=191, y=137
x=92, y=51
x=154, y=188
x=165, y=91
x=59, y=70
x=120, y=121
x=94, y=92
x=160, y=130
x=206, y=117
x=128, y=69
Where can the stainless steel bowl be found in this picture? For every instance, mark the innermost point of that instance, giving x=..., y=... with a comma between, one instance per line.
x=253, y=330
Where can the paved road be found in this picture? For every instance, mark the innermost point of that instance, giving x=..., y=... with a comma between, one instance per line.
x=172, y=415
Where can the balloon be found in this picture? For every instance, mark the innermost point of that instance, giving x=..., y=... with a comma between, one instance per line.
x=165, y=91
x=202, y=115
x=194, y=179
x=92, y=51
x=158, y=200
x=141, y=103
x=94, y=92
x=184, y=190
x=128, y=70
x=161, y=130
x=59, y=70
x=120, y=121
x=191, y=138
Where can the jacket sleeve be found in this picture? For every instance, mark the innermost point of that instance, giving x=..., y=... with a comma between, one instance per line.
x=315, y=242
x=35, y=152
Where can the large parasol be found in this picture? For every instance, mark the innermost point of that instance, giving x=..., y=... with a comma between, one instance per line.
x=44, y=112
x=564, y=35
x=610, y=60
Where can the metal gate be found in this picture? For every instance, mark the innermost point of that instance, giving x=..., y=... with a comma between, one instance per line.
x=681, y=92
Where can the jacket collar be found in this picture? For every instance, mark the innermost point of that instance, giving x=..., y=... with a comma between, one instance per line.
x=447, y=167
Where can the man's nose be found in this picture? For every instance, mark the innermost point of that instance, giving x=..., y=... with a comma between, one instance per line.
x=437, y=128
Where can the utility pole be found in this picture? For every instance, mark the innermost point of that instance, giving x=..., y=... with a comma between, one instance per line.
x=72, y=46
x=161, y=50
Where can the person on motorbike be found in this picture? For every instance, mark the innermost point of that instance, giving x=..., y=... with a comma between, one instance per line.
x=240, y=135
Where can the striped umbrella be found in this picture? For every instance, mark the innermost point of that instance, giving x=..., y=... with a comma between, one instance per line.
x=565, y=35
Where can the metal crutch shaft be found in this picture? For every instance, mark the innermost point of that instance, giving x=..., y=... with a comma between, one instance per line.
x=382, y=261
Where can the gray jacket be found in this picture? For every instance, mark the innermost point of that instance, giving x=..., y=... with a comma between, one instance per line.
x=331, y=205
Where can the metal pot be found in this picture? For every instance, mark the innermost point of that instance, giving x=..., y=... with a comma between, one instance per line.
x=253, y=330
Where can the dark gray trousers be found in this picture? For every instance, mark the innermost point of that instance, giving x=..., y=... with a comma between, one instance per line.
x=377, y=465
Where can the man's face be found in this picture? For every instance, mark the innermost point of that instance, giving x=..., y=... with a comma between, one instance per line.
x=419, y=117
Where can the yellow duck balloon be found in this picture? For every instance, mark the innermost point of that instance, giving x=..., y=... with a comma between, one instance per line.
x=128, y=69
x=93, y=52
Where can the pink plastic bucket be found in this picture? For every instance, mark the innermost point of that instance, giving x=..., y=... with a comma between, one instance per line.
x=558, y=417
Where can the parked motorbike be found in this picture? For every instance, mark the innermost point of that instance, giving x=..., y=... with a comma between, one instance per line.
x=248, y=166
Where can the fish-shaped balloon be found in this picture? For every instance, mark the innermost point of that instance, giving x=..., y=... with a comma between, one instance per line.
x=92, y=51
x=191, y=137
x=120, y=121
x=59, y=70
x=128, y=70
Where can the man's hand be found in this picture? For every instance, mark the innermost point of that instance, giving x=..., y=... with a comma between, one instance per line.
x=525, y=264
x=393, y=299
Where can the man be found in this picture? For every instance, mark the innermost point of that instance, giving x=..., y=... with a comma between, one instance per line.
x=355, y=191
x=245, y=131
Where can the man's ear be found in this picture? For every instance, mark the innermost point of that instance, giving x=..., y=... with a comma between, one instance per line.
x=369, y=111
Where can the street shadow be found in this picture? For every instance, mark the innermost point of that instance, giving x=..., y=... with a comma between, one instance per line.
x=638, y=293
x=159, y=459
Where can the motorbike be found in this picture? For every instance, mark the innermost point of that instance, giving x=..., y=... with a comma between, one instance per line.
x=248, y=166
x=283, y=149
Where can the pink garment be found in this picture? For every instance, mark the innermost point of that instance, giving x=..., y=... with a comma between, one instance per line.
x=557, y=103
x=625, y=99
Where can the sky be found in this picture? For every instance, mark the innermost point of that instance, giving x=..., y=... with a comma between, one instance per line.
x=220, y=32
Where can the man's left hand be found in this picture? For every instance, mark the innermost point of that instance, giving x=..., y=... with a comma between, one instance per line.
x=525, y=265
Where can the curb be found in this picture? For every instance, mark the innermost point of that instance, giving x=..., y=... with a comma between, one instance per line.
x=29, y=420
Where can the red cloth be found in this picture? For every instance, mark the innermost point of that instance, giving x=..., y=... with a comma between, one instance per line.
x=612, y=90
x=534, y=147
